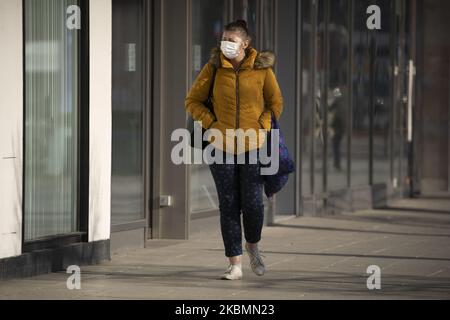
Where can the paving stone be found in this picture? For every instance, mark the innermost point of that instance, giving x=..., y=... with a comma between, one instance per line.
x=307, y=258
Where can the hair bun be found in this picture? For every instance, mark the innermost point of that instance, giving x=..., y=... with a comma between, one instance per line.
x=243, y=23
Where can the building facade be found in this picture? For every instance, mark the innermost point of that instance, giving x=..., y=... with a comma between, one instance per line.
x=92, y=90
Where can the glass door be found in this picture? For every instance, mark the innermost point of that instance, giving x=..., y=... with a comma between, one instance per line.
x=208, y=21
x=401, y=57
x=128, y=114
x=338, y=80
x=320, y=94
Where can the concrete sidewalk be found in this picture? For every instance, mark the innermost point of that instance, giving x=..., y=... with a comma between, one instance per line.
x=306, y=258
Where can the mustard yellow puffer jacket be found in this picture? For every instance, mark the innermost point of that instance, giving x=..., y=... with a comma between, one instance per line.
x=242, y=99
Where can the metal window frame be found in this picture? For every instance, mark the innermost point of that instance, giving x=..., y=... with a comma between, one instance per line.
x=149, y=127
x=298, y=191
x=401, y=33
x=413, y=144
x=351, y=23
x=312, y=93
x=371, y=104
x=310, y=98
x=154, y=130
x=326, y=85
x=392, y=45
x=319, y=196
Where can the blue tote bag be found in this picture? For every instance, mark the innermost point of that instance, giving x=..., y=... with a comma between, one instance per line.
x=274, y=183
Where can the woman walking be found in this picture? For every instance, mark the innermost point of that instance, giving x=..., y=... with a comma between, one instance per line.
x=245, y=94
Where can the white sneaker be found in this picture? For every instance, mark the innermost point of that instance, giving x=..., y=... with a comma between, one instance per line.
x=233, y=273
x=256, y=262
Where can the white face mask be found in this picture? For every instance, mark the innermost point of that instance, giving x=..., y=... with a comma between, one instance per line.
x=230, y=49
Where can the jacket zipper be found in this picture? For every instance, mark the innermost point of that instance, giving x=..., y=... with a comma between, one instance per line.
x=237, y=99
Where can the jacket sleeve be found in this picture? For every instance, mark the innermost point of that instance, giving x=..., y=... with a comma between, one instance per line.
x=272, y=95
x=194, y=102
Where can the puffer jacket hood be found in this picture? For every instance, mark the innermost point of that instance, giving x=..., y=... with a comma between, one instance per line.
x=242, y=99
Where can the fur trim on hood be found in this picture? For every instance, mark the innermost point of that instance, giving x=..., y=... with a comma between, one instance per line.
x=264, y=59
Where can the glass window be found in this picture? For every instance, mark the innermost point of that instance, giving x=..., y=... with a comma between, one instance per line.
x=338, y=37
x=247, y=10
x=260, y=19
x=361, y=93
x=208, y=20
x=307, y=97
x=51, y=119
x=268, y=41
x=319, y=107
x=383, y=77
x=127, y=180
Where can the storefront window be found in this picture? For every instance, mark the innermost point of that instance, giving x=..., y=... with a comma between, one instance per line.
x=268, y=41
x=307, y=97
x=247, y=10
x=319, y=95
x=127, y=179
x=383, y=78
x=208, y=20
x=51, y=119
x=361, y=95
x=338, y=102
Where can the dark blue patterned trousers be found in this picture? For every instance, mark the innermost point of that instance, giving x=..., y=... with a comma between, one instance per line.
x=240, y=188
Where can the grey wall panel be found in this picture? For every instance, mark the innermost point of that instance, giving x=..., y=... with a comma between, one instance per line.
x=173, y=221
x=435, y=114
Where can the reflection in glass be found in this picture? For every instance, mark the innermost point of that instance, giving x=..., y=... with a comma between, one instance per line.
x=361, y=94
x=307, y=102
x=267, y=25
x=127, y=191
x=337, y=101
x=383, y=77
x=247, y=10
x=51, y=119
x=319, y=105
x=208, y=20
